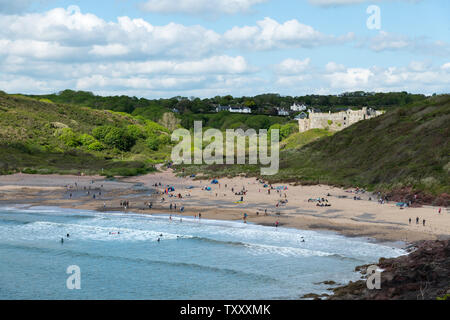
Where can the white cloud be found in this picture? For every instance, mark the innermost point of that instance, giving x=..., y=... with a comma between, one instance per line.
x=350, y=78
x=199, y=6
x=334, y=67
x=270, y=34
x=65, y=48
x=386, y=41
x=292, y=66
x=114, y=49
x=417, y=76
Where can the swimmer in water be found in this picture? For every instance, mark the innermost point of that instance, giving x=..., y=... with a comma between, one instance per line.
x=62, y=240
x=68, y=235
x=159, y=240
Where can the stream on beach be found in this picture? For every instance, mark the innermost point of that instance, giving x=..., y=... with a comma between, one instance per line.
x=119, y=257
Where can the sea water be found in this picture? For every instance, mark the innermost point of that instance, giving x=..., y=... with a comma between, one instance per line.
x=119, y=257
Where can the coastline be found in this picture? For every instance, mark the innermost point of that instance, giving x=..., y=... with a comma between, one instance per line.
x=353, y=218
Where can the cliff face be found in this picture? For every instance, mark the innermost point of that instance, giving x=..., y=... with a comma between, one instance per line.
x=422, y=275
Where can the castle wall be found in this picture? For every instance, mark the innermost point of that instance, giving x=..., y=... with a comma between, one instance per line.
x=335, y=121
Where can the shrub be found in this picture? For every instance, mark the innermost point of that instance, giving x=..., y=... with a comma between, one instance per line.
x=114, y=137
x=153, y=142
x=69, y=138
x=87, y=139
x=101, y=132
x=119, y=138
x=96, y=146
x=136, y=132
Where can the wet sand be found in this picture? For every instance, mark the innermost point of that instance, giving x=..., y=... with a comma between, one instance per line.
x=361, y=218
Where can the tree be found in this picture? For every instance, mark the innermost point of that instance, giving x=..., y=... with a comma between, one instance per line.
x=169, y=121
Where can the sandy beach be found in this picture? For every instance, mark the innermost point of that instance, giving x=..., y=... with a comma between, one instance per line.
x=289, y=205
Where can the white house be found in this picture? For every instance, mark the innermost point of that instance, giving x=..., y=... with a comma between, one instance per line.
x=297, y=107
x=240, y=110
x=233, y=110
x=282, y=112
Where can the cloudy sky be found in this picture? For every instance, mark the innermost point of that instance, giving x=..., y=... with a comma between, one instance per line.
x=204, y=48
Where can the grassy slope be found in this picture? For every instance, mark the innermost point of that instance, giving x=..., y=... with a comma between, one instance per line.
x=28, y=141
x=406, y=148
x=300, y=139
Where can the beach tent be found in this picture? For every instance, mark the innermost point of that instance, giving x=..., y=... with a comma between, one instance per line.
x=170, y=189
x=208, y=188
x=215, y=181
x=401, y=204
x=192, y=175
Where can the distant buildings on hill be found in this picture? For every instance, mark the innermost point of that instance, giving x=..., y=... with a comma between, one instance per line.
x=298, y=107
x=233, y=109
x=282, y=112
x=335, y=121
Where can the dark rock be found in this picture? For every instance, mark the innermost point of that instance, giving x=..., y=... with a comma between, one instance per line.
x=422, y=274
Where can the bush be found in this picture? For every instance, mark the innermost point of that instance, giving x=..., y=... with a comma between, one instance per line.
x=96, y=146
x=153, y=142
x=101, y=132
x=69, y=138
x=119, y=138
x=87, y=139
x=136, y=132
x=114, y=137
x=164, y=139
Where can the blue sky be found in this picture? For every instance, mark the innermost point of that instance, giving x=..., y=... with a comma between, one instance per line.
x=165, y=48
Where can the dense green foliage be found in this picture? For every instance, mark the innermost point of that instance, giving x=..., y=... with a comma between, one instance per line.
x=41, y=136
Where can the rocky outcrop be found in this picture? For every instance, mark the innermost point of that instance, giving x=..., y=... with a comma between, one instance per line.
x=424, y=274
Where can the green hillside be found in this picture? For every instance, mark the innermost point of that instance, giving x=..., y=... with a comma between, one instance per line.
x=403, y=151
x=43, y=137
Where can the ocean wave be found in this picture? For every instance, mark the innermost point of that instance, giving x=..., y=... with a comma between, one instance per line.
x=266, y=249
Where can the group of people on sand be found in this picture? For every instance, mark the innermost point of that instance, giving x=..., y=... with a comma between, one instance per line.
x=321, y=202
x=417, y=221
x=125, y=204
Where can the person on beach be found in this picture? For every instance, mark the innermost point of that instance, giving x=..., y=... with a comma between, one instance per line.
x=409, y=220
x=424, y=222
x=417, y=220
x=439, y=211
x=199, y=215
x=276, y=224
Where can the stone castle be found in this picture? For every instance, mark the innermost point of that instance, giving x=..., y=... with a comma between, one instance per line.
x=335, y=121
